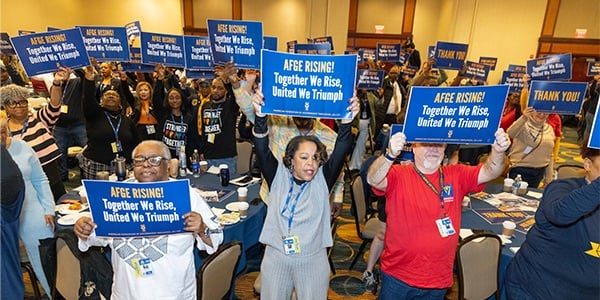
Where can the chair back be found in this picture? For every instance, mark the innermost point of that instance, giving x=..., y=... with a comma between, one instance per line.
x=570, y=171
x=217, y=273
x=478, y=258
x=68, y=271
x=358, y=199
x=244, y=156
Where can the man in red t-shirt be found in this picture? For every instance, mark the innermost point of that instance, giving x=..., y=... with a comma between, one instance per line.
x=423, y=207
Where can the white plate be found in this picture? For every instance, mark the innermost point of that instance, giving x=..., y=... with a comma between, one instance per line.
x=63, y=209
x=228, y=219
x=67, y=220
x=233, y=206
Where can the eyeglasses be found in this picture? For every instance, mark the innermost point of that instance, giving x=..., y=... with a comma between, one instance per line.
x=13, y=104
x=153, y=161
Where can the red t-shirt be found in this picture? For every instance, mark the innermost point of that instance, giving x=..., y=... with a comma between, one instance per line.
x=414, y=251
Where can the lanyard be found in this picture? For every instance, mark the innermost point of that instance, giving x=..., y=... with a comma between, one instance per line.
x=287, y=202
x=433, y=188
x=115, y=130
x=24, y=129
x=62, y=98
x=173, y=118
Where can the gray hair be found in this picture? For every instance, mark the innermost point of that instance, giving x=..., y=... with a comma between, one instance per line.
x=166, y=153
x=12, y=92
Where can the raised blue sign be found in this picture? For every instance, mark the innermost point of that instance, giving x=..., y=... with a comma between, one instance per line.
x=197, y=53
x=237, y=41
x=369, y=79
x=554, y=67
x=557, y=97
x=514, y=80
x=135, y=62
x=517, y=68
x=388, y=52
x=41, y=53
x=489, y=61
x=305, y=85
x=270, y=43
x=477, y=71
x=593, y=68
x=459, y=115
x=323, y=40
x=166, y=49
x=134, y=209
x=321, y=49
x=106, y=43
x=594, y=140
x=450, y=56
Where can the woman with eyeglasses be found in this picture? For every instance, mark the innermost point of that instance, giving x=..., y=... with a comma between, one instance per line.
x=110, y=133
x=34, y=128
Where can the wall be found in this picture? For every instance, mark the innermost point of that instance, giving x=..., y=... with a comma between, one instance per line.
x=380, y=12
x=164, y=16
x=578, y=14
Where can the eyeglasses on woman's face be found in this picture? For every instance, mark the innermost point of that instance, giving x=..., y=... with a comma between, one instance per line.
x=20, y=103
x=153, y=161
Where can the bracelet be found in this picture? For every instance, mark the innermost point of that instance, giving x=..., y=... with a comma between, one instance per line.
x=389, y=157
x=56, y=84
x=259, y=135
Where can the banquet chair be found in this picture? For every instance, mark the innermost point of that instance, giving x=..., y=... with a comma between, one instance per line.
x=478, y=259
x=26, y=265
x=570, y=171
x=245, y=151
x=366, y=227
x=217, y=273
x=68, y=271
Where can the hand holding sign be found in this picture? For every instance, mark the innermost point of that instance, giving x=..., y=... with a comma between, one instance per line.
x=354, y=108
x=83, y=228
x=193, y=222
x=258, y=100
x=62, y=75
x=502, y=141
x=396, y=144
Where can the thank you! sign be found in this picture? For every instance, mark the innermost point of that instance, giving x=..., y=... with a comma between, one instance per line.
x=460, y=115
x=42, y=52
x=450, y=55
x=557, y=97
x=309, y=86
x=133, y=209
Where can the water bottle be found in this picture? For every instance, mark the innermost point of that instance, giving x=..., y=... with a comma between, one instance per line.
x=517, y=184
x=182, y=162
x=196, y=163
x=224, y=174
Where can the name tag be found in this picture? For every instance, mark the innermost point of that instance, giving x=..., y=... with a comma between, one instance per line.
x=291, y=245
x=142, y=267
x=445, y=227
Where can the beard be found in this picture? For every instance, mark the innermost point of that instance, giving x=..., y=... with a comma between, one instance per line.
x=432, y=163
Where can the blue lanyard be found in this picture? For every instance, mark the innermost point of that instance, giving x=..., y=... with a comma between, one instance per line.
x=173, y=118
x=115, y=130
x=287, y=202
x=24, y=129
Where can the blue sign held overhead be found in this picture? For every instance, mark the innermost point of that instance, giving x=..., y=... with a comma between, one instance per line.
x=557, y=97
x=134, y=209
x=5, y=45
x=323, y=40
x=388, y=52
x=450, y=56
x=593, y=68
x=197, y=53
x=304, y=85
x=321, y=49
x=368, y=54
x=237, y=41
x=430, y=51
x=459, y=115
x=25, y=32
x=477, y=71
x=166, y=49
x=514, y=80
x=517, y=68
x=359, y=53
x=134, y=31
x=489, y=61
x=594, y=141
x=197, y=74
x=106, y=43
x=41, y=53
x=554, y=67
x=369, y=79
x=270, y=43
x=135, y=62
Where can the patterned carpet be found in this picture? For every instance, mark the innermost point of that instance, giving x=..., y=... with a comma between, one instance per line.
x=345, y=284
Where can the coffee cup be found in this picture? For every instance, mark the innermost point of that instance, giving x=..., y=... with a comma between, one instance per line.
x=508, y=185
x=242, y=194
x=508, y=228
x=203, y=166
x=522, y=190
x=102, y=175
x=243, y=209
x=465, y=203
x=173, y=167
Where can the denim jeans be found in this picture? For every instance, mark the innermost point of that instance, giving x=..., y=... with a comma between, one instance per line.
x=231, y=162
x=67, y=137
x=393, y=289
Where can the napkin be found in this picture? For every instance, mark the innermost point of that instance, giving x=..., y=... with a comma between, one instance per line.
x=213, y=170
x=218, y=211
